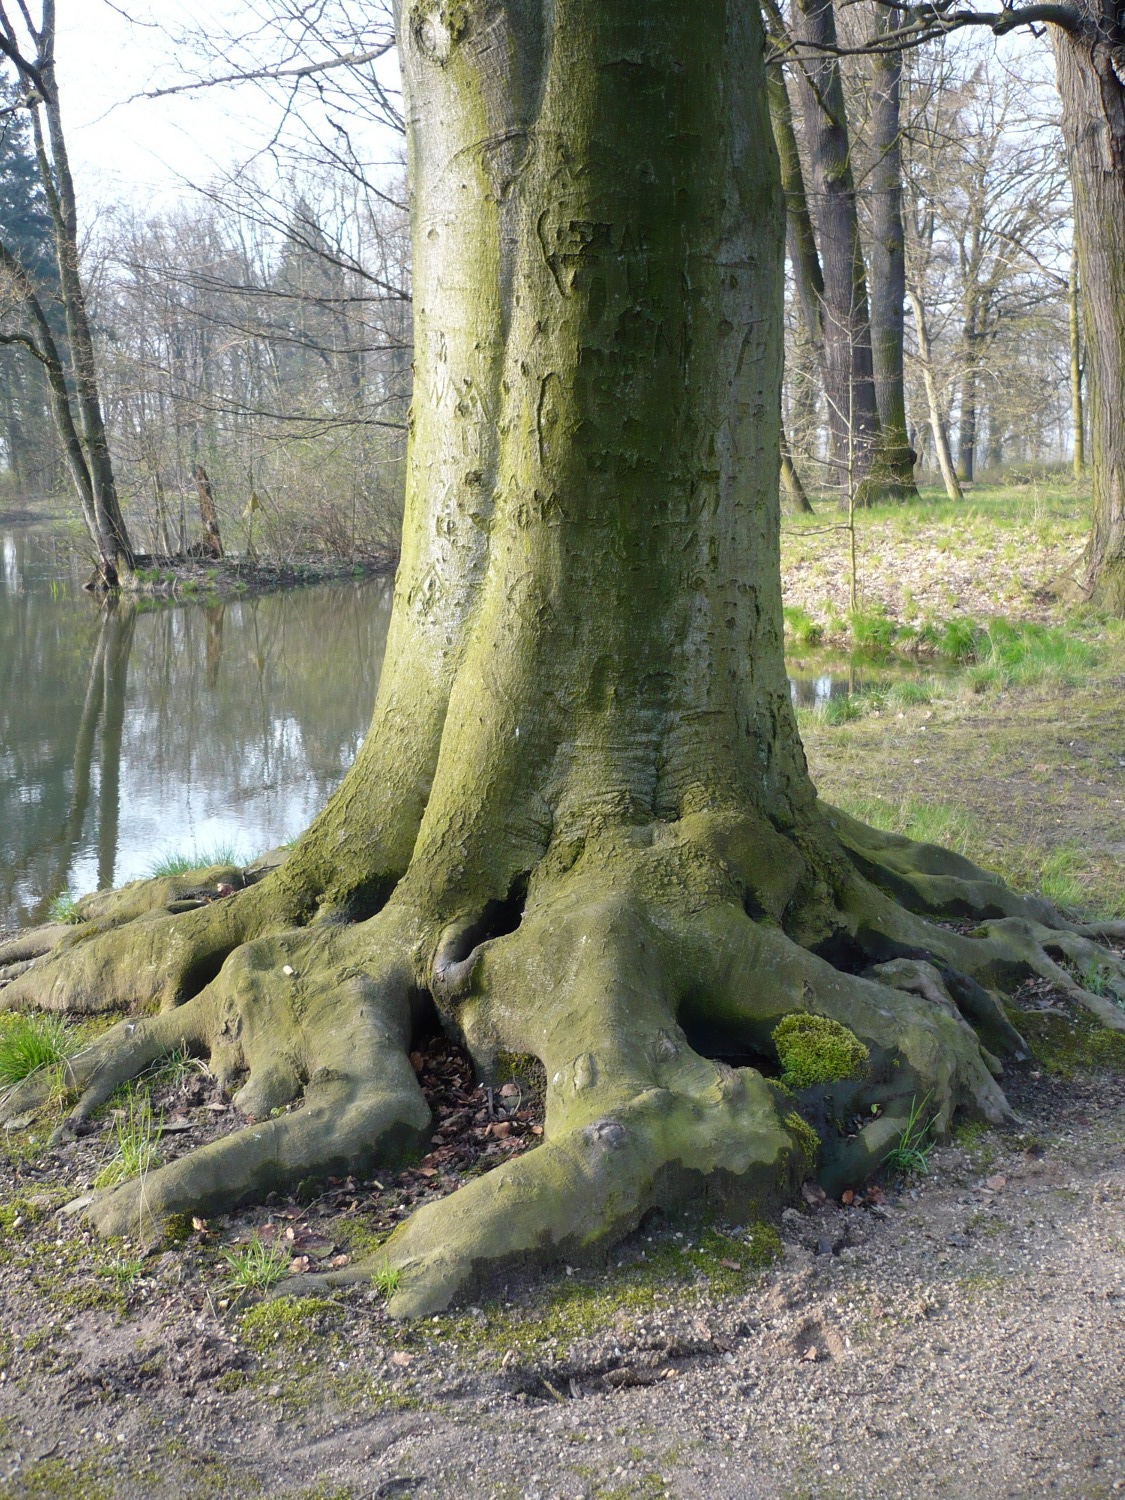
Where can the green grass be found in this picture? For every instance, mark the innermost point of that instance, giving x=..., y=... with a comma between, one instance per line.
x=124, y=1271
x=386, y=1280
x=256, y=1266
x=136, y=1131
x=926, y=822
x=179, y=862
x=910, y=1156
x=31, y=1042
x=801, y=629
x=174, y=1069
x=873, y=630
x=64, y=908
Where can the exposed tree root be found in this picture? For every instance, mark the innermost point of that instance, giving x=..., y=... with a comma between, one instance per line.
x=638, y=978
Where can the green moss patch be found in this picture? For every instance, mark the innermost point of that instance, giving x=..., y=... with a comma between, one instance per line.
x=814, y=1049
x=286, y=1321
x=1066, y=1044
x=719, y=1264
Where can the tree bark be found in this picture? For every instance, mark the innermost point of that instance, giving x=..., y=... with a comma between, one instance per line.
x=937, y=416
x=208, y=513
x=888, y=267
x=855, y=447
x=796, y=497
x=75, y=401
x=967, y=435
x=1077, y=416
x=1089, y=68
x=581, y=824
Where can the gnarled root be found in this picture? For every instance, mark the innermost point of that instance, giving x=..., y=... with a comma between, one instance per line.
x=301, y=1019
x=158, y=948
x=634, y=972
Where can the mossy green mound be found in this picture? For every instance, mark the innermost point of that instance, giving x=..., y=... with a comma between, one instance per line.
x=814, y=1049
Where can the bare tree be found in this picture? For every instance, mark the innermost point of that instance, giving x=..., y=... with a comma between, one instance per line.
x=29, y=46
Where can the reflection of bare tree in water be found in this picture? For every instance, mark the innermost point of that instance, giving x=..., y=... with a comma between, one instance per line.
x=215, y=613
x=104, y=706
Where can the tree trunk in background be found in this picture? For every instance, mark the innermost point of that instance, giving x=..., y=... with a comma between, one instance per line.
x=796, y=497
x=1077, y=417
x=967, y=437
x=75, y=401
x=208, y=513
x=937, y=416
x=888, y=268
x=853, y=416
x=1093, y=117
x=805, y=263
x=800, y=236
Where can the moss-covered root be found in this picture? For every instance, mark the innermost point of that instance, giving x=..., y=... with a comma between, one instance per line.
x=930, y=880
x=638, y=1116
x=156, y=960
x=325, y=1014
x=589, y=1185
x=998, y=954
x=1089, y=974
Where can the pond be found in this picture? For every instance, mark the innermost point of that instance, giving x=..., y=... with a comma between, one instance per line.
x=136, y=733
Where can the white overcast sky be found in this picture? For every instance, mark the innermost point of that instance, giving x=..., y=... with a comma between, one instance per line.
x=140, y=148
x=144, y=150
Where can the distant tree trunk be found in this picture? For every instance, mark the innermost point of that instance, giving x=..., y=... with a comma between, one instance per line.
x=853, y=416
x=208, y=513
x=995, y=457
x=800, y=238
x=967, y=446
x=937, y=417
x=1093, y=117
x=74, y=398
x=796, y=497
x=888, y=268
x=1077, y=417
x=804, y=260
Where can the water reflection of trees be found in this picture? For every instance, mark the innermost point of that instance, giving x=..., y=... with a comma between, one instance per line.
x=125, y=732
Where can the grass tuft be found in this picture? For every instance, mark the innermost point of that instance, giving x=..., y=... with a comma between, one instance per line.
x=177, y=862
x=256, y=1266
x=801, y=628
x=31, y=1042
x=64, y=908
x=910, y=1157
x=136, y=1131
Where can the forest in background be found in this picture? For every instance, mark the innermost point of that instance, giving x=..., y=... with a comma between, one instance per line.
x=259, y=333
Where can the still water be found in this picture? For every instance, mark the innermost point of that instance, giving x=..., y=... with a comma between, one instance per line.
x=136, y=733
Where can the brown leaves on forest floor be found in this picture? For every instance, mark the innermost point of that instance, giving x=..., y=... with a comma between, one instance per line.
x=992, y=559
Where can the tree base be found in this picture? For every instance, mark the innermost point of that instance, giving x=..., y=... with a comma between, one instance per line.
x=692, y=1045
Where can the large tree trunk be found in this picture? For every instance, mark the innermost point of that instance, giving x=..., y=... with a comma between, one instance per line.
x=581, y=824
x=1093, y=113
x=888, y=266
